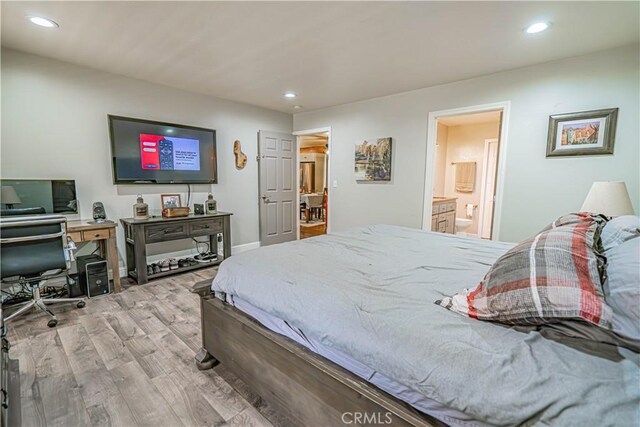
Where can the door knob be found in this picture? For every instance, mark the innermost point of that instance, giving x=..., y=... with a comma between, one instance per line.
x=265, y=199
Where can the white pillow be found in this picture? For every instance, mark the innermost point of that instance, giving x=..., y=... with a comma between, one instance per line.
x=619, y=230
x=622, y=291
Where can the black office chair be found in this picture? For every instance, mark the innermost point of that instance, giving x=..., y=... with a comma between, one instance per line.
x=22, y=211
x=34, y=249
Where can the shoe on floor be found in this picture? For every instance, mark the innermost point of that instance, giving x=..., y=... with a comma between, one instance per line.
x=156, y=268
x=173, y=264
x=164, y=265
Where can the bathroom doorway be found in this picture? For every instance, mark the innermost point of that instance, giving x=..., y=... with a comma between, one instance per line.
x=313, y=184
x=467, y=150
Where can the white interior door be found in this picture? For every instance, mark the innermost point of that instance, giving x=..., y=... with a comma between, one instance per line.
x=277, y=174
x=489, y=179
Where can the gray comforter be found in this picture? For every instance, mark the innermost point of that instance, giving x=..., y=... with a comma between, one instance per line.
x=369, y=292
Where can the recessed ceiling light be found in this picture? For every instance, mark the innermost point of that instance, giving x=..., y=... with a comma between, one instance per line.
x=289, y=95
x=297, y=107
x=43, y=22
x=538, y=27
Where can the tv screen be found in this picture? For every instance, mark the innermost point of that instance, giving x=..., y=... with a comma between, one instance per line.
x=148, y=152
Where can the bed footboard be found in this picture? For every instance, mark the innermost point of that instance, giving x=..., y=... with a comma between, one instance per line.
x=308, y=388
x=204, y=359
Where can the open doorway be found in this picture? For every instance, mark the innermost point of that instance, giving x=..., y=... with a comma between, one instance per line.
x=313, y=184
x=466, y=148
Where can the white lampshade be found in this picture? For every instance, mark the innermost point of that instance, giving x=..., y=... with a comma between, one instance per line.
x=608, y=198
x=8, y=196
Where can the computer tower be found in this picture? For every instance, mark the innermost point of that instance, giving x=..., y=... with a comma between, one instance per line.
x=93, y=275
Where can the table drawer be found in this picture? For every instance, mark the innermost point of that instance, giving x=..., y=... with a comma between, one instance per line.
x=205, y=227
x=159, y=233
x=76, y=236
x=443, y=207
x=95, y=234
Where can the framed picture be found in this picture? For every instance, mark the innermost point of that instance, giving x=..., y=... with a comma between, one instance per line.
x=582, y=134
x=373, y=160
x=171, y=201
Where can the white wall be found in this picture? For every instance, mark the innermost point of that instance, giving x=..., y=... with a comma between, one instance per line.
x=319, y=172
x=440, y=167
x=536, y=189
x=465, y=143
x=54, y=125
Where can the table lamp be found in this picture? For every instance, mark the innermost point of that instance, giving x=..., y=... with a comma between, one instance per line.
x=608, y=198
x=9, y=197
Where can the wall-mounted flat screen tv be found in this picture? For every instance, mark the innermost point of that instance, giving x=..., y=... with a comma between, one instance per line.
x=148, y=152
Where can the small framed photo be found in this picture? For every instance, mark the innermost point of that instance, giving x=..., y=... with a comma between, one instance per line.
x=582, y=134
x=171, y=201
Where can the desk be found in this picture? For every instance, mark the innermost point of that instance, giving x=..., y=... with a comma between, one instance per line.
x=104, y=234
x=139, y=233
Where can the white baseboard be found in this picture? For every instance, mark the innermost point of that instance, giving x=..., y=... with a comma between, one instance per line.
x=243, y=248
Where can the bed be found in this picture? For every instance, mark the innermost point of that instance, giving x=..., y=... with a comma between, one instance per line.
x=343, y=329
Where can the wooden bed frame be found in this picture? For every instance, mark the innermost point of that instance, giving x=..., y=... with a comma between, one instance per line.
x=308, y=388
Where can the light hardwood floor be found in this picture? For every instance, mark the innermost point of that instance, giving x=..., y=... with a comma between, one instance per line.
x=317, y=230
x=127, y=359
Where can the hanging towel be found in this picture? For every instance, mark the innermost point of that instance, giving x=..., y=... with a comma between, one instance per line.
x=465, y=176
x=469, y=210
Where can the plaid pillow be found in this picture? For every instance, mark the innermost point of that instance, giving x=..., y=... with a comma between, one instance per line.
x=553, y=276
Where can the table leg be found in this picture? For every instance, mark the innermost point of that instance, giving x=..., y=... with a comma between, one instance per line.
x=307, y=213
x=140, y=255
x=115, y=265
x=226, y=236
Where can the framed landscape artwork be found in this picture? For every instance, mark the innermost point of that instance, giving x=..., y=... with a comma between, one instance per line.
x=373, y=160
x=582, y=134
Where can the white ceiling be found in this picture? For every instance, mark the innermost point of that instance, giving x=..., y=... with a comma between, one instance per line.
x=470, y=119
x=314, y=140
x=327, y=52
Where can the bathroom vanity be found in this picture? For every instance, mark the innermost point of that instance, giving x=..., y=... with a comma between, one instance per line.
x=443, y=215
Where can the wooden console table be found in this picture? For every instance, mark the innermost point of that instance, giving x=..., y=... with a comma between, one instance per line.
x=139, y=233
x=103, y=233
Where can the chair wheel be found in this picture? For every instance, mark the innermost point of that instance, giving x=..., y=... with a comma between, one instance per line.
x=81, y=304
x=52, y=323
